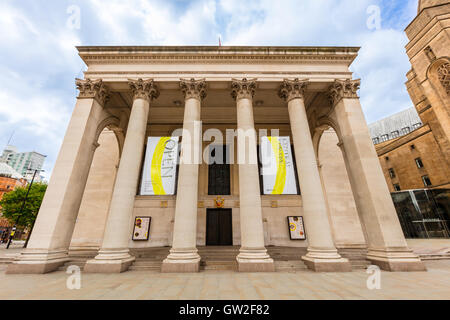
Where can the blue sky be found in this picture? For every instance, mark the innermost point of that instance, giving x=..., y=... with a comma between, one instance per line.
x=39, y=61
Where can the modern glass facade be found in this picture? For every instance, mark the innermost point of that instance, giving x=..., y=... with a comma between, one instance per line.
x=424, y=213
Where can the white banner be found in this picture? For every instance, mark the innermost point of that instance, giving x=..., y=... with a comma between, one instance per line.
x=160, y=166
x=277, y=166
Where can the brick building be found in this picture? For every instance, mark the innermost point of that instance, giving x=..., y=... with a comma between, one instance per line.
x=9, y=180
x=421, y=159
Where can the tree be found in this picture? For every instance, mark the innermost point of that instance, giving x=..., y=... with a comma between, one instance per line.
x=11, y=204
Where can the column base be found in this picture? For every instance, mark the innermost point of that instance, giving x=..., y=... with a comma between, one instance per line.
x=396, y=260
x=326, y=260
x=37, y=261
x=110, y=261
x=181, y=261
x=254, y=260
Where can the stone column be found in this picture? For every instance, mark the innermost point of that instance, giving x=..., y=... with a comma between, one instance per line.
x=253, y=256
x=114, y=256
x=50, y=240
x=184, y=256
x=387, y=246
x=322, y=254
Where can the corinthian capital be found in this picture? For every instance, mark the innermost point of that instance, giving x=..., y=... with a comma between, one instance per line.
x=144, y=89
x=293, y=89
x=244, y=88
x=193, y=89
x=341, y=89
x=92, y=89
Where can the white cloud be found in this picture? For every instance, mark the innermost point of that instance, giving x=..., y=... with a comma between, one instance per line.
x=39, y=59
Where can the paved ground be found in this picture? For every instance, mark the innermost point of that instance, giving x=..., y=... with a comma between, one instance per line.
x=434, y=284
x=209, y=285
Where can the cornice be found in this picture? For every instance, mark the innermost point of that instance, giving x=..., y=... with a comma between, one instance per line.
x=202, y=54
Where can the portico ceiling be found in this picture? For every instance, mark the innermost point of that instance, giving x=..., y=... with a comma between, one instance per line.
x=218, y=106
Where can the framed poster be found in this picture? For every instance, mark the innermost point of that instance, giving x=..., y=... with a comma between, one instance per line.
x=277, y=166
x=141, y=230
x=160, y=166
x=296, y=228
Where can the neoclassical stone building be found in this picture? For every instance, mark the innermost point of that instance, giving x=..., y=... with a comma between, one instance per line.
x=132, y=93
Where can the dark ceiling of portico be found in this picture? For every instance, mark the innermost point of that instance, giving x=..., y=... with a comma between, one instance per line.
x=218, y=106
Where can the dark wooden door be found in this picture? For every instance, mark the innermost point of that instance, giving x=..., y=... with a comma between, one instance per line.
x=219, y=231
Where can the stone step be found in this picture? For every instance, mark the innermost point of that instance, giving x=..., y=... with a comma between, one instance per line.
x=428, y=257
x=290, y=266
x=75, y=262
x=218, y=265
x=360, y=264
x=145, y=268
x=6, y=260
x=147, y=263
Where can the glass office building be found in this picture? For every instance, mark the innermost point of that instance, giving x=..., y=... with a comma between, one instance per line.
x=424, y=213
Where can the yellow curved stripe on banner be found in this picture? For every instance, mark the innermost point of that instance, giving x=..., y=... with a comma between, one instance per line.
x=155, y=172
x=280, y=180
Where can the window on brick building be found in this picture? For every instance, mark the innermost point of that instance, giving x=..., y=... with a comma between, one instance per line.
x=419, y=163
x=395, y=134
x=426, y=181
x=406, y=130
x=391, y=173
x=397, y=187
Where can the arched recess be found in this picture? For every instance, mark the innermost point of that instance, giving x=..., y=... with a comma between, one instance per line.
x=439, y=75
x=94, y=209
x=342, y=213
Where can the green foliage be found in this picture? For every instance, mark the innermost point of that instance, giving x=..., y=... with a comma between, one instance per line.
x=11, y=204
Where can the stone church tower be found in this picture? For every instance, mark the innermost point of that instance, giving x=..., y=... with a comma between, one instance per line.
x=429, y=79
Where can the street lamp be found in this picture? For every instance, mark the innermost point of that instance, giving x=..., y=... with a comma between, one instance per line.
x=11, y=236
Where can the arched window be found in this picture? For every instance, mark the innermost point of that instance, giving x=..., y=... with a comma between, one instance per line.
x=444, y=76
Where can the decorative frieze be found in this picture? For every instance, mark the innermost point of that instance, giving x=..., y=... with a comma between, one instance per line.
x=341, y=89
x=243, y=89
x=92, y=89
x=193, y=89
x=293, y=89
x=144, y=89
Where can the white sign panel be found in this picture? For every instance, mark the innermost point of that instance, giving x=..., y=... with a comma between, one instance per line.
x=278, y=166
x=296, y=228
x=160, y=166
x=141, y=228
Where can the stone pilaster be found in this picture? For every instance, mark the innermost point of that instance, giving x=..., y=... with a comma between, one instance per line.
x=52, y=233
x=322, y=254
x=387, y=246
x=114, y=256
x=253, y=256
x=184, y=256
